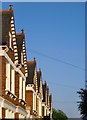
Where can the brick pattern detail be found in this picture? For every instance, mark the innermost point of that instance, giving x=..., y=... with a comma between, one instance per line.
x=29, y=100
x=16, y=116
x=17, y=84
x=0, y=75
x=3, y=75
x=3, y=113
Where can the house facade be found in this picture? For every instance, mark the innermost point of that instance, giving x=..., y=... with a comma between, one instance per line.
x=22, y=92
x=46, y=102
x=13, y=70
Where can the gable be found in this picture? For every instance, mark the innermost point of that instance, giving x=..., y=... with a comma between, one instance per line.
x=31, y=70
x=7, y=32
x=6, y=22
x=22, y=58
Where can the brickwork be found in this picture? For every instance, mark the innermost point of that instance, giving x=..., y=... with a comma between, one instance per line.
x=17, y=116
x=14, y=54
x=29, y=100
x=3, y=75
x=3, y=113
x=17, y=84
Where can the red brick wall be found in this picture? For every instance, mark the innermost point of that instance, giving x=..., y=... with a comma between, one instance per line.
x=3, y=75
x=11, y=55
x=0, y=75
x=17, y=84
x=16, y=116
x=29, y=100
x=3, y=113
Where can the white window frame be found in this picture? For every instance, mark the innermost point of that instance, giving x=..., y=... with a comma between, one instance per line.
x=34, y=101
x=24, y=90
x=12, y=80
x=6, y=113
x=8, y=76
x=0, y=112
x=10, y=40
x=20, y=88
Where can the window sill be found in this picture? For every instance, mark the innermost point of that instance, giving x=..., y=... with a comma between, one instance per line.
x=22, y=102
x=7, y=92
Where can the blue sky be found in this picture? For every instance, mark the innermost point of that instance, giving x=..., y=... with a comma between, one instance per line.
x=56, y=30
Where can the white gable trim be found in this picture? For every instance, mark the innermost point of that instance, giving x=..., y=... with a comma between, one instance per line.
x=3, y=53
x=21, y=110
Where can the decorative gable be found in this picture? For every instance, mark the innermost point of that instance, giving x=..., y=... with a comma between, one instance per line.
x=39, y=81
x=8, y=32
x=22, y=58
x=31, y=72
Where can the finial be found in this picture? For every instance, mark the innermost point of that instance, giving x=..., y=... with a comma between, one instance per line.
x=45, y=82
x=10, y=6
x=39, y=69
x=34, y=59
x=22, y=31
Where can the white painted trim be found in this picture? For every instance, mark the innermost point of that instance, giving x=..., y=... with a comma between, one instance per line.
x=23, y=50
x=31, y=89
x=25, y=65
x=0, y=113
x=15, y=54
x=25, y=68
x=26, y=71
x=13, y=28
x=24, y=56
x=24, y=53
x=13, y=32
x=12, y=25
x=21, y=110
x=14, y=43
x=14, y=39
x=24, y=90
x=7, y=76
x=13, y=81
x=12, y=21
x=23, y=47
x=13, y=35
x=3, y=53
x=16, y=58
x=20, y=88
x=18, y=70
x=12, y=18
x=15, y=46
x=8, y=105
x=15, y=50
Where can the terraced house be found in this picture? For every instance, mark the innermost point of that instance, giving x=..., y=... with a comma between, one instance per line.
x=21, y=88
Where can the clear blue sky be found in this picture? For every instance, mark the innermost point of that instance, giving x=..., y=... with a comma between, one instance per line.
x=57, y=30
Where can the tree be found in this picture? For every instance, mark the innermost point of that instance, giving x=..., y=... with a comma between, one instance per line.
x=59, y=115
x=83, y=103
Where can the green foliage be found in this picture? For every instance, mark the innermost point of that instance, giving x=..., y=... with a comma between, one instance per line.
x=59, y=115
x=83, y=103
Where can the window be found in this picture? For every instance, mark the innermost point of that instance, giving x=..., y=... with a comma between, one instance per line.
x=7, y=76
x=12, y=81
x=20, y=87
x=24, y=90
x=34, y=101
x=0, y=112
